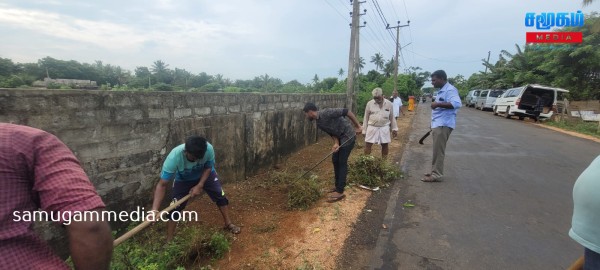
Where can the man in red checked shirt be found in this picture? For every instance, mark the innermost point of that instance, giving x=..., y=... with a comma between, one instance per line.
x=37, y=171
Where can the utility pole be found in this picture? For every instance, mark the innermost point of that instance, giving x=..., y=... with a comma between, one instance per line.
x=488, y=61
x=396, y=64
x=353, y=55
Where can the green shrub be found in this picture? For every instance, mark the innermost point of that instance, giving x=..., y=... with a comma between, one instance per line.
x=370, y=171
x=218, y=245
x=162, y=87
x=304, y=193
x=53, y=85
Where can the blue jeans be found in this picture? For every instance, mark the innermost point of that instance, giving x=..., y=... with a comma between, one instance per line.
x=592, y=260
x=340, y=165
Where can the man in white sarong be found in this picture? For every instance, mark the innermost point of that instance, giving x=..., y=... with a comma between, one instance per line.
x=397, y=102
x=377, y=121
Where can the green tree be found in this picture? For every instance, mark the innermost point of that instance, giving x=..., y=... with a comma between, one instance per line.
x=161, y=72
x=377, y=59
x=361, y=63
x=341, y=72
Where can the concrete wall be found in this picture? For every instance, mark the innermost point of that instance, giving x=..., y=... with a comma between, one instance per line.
x=121, y=138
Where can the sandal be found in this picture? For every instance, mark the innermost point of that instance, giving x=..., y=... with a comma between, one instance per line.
x=431, y=179
x=232, y=228
x=332, y=190
x=336, y=198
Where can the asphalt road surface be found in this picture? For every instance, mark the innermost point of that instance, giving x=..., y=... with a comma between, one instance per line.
x=505, y=203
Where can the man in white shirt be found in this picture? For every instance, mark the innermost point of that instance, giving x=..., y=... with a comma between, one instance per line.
x=397, y=102
x=377, y=121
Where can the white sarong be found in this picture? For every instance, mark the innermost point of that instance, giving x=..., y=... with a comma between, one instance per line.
x=378, y=135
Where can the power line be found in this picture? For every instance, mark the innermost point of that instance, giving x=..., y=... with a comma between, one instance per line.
x=394, y=9
x=381, y=35
x=409, y=28
x=338, y=12
x=383, y=20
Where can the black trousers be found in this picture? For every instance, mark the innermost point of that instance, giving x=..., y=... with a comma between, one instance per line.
x=340, y=165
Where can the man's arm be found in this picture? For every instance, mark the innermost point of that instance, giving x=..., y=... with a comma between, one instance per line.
x=355, y=122
x=452, y=103
x=159, y=194
x=366, y=119
x=197, y=189
x=63, y=186
x=393, y=124
x=91, y=243
x=336, y=144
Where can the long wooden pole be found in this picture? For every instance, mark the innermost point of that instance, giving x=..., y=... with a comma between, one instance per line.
x=147, y=223
x=578, y=264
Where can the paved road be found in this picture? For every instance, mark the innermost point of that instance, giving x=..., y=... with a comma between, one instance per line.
x=505, y=203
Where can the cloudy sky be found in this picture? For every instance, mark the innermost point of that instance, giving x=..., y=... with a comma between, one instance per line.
x=287, y=39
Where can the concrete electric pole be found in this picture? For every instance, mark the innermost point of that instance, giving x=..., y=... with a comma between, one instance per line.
x=353, y=56
x=396, y=64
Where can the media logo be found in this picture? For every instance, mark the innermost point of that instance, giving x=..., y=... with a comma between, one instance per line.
x=547, y=20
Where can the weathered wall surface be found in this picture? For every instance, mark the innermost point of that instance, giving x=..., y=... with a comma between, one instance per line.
x=121, y=138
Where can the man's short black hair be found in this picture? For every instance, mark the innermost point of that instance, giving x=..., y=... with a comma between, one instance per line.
x=196, y=146
x=309, y=106
x=440, y=74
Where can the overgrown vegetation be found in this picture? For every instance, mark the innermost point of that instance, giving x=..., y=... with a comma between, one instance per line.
x=304, y=193
x=372, y=171
x=148, y=250
x=589, y=128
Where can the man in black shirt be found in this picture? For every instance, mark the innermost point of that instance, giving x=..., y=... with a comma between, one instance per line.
x=335, y=123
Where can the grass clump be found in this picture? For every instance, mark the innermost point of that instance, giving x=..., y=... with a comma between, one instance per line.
x=372, y=171
x=218, y=245
x=304, y=193
x=149, y=251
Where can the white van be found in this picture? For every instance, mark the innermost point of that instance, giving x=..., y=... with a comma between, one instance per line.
x=521, y=101
x=508, y=101
x=471, y=97
x=487, y=98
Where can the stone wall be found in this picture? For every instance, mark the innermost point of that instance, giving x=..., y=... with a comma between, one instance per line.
x=122, y=138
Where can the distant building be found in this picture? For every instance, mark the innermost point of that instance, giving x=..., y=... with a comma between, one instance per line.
x=75, y=84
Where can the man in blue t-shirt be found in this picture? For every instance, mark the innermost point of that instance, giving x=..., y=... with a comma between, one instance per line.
x=192, y=166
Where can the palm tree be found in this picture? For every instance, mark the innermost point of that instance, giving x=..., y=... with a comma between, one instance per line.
x=341, y=72
x=160, y=71
x=388, y=68
x=587, y=2
x=159, y=67
x=377, y=59
x=316, y=79
x=361, y=63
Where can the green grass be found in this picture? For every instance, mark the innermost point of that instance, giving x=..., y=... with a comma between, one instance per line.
x=191, y=244
x=588, y=128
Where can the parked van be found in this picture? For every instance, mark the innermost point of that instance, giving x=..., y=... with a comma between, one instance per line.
x=507, y=103
x=487, y=98
x=471, y=97
x=521, y=101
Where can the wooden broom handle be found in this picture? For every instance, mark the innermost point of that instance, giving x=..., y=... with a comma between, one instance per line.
x=147, y=223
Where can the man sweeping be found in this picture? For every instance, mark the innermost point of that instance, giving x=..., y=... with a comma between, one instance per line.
x=335, y=123
x=192, y=165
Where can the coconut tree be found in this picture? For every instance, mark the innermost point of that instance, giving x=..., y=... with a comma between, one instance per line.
x=361, y=63
x=341, y=72
x=377, y=59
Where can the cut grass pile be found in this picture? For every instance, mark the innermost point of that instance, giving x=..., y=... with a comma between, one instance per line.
x=372, y=171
